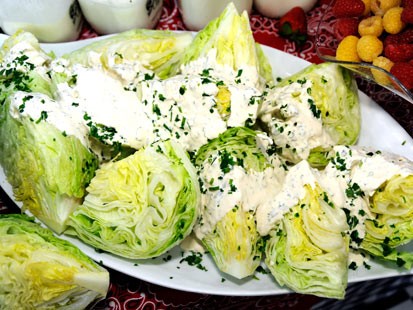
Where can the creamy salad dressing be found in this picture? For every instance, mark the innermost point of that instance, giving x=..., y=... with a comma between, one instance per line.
x=246, y=75
x=371, y=169
x=336, y=184
x=183, y=108
x=128, y=104
x=192, y=243
x=243, y=108
x=289, y=115
x=290, y=193
x=25, y=48
x=24, y=57
x=102, y=99
x=130, y=72
x=244, y=85
x=238, y=188
x=357, y=258
x=39, y=107
x=360, y=173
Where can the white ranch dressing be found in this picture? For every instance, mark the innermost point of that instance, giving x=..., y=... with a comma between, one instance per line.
x=287, y=114
x=41, y=108
x=368, y=171
x=24, y=57
x=371, y=169
x=190, y=118
x=192, y=243
x=182, y=108
x=358, y=259
x=34, y=56
x=246, y=75
x=245, y=85
x=237, y=188
x=290, y=193
x=102, y=99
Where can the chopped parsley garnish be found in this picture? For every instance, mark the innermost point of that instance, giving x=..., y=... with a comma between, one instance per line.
x=73, y=80
x=119, y=55
x=232, y=186
x=182, y=89
x=354, y=191
x=352, y=266
x=43, y=116
x=148, y=77
x=227, y=161
x=352, y=220
x=194, y=259
x=339, y=163
x=156, y=109
x=316, y=112
x=327, y=200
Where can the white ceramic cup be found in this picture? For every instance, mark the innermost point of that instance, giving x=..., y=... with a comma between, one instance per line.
x=112, y=16
x=48, y=20
x=197, y=13
x=277, y=8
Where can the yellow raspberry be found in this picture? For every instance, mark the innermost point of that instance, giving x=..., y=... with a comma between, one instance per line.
x=369, y=47
x=371, y=26
x=380, y=76
x=380, y=7
x=392, y=21
x=367, y=7
x=347, y=49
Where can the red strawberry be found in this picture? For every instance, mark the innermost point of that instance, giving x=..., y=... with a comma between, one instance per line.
x=404, y=72
x=401, y=52
x=348, y=8
x=322, y=2
x=407, y=13
x=293, y=25
x=345, y=27
x=406, y=36
x=407, y=3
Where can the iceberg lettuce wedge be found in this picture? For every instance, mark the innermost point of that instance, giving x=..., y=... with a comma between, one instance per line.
x=229, y=42
x=156, y=50
x=392, y=225
x=23, y=66
x=235, y=176
x=378, y=188
x=311, y=111
x=225, y=53
x=296, y=254
x=306, y=245
x=140, y=206
x=47, y=168
x=41, y=271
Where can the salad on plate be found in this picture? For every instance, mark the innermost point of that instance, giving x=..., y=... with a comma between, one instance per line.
x=148, y=140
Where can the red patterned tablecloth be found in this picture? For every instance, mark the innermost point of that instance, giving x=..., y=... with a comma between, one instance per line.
x=129, y=293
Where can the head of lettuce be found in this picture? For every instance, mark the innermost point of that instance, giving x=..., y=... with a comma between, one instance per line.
x=41, y=271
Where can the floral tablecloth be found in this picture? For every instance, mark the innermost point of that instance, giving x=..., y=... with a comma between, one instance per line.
x=129, y=293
